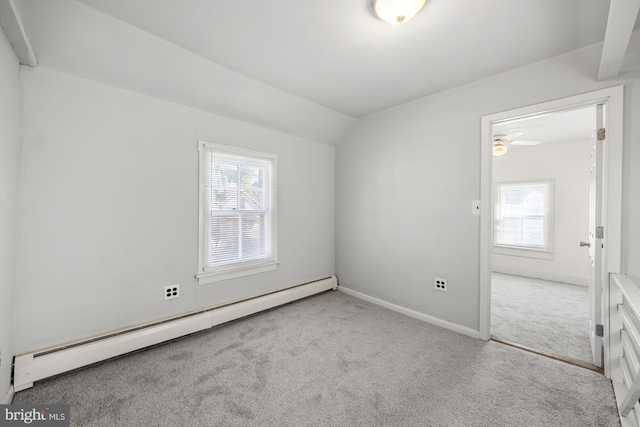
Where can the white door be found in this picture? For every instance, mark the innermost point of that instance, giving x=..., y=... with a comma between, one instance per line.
x=595, y=239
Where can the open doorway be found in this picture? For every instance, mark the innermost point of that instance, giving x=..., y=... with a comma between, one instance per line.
x=604, y=245
x=539, y=271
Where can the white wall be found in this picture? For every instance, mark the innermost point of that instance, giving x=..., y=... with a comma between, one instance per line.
x=9, y=148
x=109, y=209
x=75, y=38
x=406, y=178
x=567, y=163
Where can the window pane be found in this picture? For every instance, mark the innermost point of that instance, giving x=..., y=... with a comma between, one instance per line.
x=524, y=214
x=512, y=203
x=225, y=239
x=249, y=200
x=236, y=201
x=224, y=199
x=252, y=177
x=253, y=236
x=533, y=203
x=533, y=231
x=252, y=181
x=224, y=175
x=511, y=231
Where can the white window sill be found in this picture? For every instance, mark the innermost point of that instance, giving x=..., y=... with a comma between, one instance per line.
x=523, y=252
x=235, y=271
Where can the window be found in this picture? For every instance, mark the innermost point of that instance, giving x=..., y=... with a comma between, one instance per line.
x=523, y=216
x=237, y=212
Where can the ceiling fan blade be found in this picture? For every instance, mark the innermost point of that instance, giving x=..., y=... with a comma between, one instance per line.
x=528, y=143
x=506, y=138
x=514, y=135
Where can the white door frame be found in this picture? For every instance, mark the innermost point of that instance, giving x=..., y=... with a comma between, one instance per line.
x=612, y=194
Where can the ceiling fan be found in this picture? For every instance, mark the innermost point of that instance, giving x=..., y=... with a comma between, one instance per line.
x=501, y=142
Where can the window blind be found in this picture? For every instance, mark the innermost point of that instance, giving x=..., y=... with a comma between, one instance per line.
x=523, y=215
x=237, y=201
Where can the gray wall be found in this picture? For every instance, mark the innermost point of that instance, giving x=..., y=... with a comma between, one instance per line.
x=108, y=199
x=109, y=209
x=69, y=36
x=407, y=177
x=9, y=147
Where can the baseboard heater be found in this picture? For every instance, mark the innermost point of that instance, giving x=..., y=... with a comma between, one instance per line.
x=37, y=365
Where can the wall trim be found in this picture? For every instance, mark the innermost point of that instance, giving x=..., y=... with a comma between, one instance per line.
x=9, y=397
x=412, y=313
x=541, y=274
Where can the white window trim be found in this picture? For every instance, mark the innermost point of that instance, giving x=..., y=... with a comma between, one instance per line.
x=523, y=251
x=236, y=270
x=240, y=269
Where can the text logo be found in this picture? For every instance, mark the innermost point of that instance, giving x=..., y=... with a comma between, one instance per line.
x=34, y=415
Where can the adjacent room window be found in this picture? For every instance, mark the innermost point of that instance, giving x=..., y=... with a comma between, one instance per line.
x=524, y=215
x=237, y=212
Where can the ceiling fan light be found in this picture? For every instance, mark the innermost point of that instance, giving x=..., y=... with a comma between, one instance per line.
x=499, y=149
x=397, y=12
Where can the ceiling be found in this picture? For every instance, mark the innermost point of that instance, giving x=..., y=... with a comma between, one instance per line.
x=309, y=69
x=556, y=127
x=337, y=54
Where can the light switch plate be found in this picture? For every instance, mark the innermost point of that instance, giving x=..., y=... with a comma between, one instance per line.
x=475, y=207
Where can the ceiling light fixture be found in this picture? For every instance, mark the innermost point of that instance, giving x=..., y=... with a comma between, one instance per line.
x=397, y=12
x=499, y=149
x=501, y=142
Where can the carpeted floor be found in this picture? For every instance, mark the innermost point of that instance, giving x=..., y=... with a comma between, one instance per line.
x=330, y=360
x=551, y=317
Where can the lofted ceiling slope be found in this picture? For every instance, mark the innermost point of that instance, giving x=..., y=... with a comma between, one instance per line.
x=305, y=68
x=337, y=54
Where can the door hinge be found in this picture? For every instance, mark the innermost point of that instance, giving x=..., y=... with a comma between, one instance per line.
x=602, y=134
x=600, y=232
x=599, y=330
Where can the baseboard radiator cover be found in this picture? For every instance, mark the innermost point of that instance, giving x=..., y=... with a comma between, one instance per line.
x=624, y=347
x=38, y=365
x=9, y=397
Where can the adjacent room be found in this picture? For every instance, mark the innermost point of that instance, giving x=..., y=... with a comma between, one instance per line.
x=320, y=213
x=540, y=271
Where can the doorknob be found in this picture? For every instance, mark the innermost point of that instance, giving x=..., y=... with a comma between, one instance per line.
x=587, y=244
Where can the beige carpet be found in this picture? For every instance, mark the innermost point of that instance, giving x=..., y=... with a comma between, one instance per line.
x=551, y=317
x=330, y=360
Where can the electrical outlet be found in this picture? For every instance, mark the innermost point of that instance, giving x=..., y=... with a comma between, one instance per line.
x=171, y=292
x=440, y=284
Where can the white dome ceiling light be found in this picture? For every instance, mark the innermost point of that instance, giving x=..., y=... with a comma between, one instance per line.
x=397, y=12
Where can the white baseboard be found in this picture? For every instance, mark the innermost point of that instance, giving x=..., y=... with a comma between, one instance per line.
x=412, y=313
x=539, y=274
x=9, y=397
